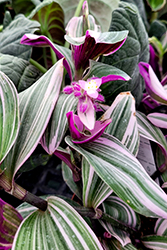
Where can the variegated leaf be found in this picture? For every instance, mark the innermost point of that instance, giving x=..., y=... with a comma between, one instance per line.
x=149, y=131
x=36, y=106
x=25, y=209
x=95, y=191
x=9, y=115
x=74, y=27
x=118, y=209
x=158, y=119
x=10, y=220
x=59, y=227
x=58, y=124
x=155, y=242
x=124, y=125
x=113, y=244
x=100, y=70
x=123, y=173
x=161, y=227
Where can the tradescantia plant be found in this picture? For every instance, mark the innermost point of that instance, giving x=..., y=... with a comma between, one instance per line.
x=83, y=87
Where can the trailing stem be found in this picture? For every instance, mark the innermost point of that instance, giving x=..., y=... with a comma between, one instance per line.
x=20, y=193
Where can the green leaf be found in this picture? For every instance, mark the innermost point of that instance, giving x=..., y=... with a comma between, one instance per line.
x=99, y=69
x=157, y=29
x=95, y=191
x=155, y=242
x=103, y=17
x=36, y=106
x=141, y=7
x=134, y=50
x=58, y=124
x=7, y=19
x=9, y=115
x=124, y=124
x=25, y=209
x=10, y=37
x=20, y=71
x=25, y=7
x=151, y=132
x=100, y=9
x=51, y=17
x=118, y=209
x=123, y=173
x=156, y=4
x=59, y=227
x=75, y=187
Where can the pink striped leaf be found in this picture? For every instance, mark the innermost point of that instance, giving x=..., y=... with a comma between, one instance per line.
x=58, y=124
x=74, y=27
x=118, y=209
x=161, y=227
x=113, y=244
x=124, y=124
x=151, y=132
x=36, y=106
x=155, y=242
x=158, y=119
x=59, y=227
x=9, y=115
x=95, y=190
x=153, y=86
x=10, y=220
x=123, y=173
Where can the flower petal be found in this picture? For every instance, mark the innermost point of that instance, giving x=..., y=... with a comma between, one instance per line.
x=76, y=128
x=68, y=89
x=75, y=125
x=114, y=78
x=153, y=85
x=87, y=118
x=93, y=45
x=43, y=41
x=95, y=133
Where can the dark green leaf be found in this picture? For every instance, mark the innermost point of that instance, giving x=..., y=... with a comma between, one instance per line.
x=10, y=37
x=134, y=50
x=20, y=71
x=141, y=7
x=25, y=7
x=51, y=17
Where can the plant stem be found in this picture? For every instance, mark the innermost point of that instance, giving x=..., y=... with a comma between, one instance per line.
x=35, y=201
x=53, y=55
x=79, y=7
x=98, y=214
x=37, y=65
x=20, y=193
